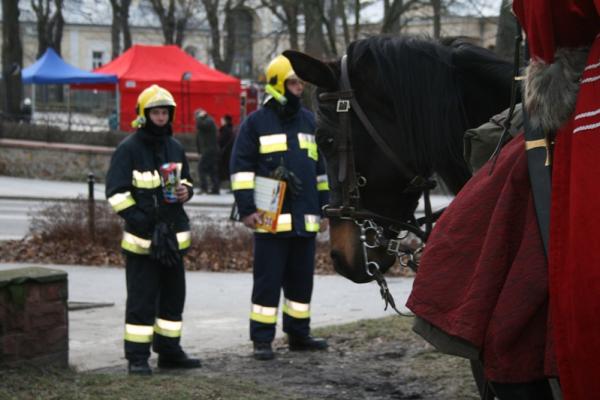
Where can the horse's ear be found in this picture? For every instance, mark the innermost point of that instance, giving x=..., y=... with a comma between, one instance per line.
x=311, y=70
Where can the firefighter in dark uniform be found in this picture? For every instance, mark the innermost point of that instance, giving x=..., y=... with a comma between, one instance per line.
x=278, y=141
x=156, y=235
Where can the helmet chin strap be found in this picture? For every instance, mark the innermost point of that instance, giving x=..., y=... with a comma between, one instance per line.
x=281, y=99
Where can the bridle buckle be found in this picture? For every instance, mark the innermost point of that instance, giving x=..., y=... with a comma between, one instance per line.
x=342, y=105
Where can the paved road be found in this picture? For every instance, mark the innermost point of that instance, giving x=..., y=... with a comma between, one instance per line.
x=216, y=311
x=14, y=218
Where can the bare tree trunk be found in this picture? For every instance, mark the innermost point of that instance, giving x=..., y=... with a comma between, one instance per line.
x=12, y=58
x=49, y=26
x=222, y=61
x=166, y=18
x=342, y=12
x=115, y=29
x=57, y=25
x=507, y=30
x=291, y=9
x=125, y=30
x=390, y=22
x=356, y=19
x=437, y=18
x=287, y=12
x=120, y=26
x=393, y=13
x=314, y=40
x=329, y=18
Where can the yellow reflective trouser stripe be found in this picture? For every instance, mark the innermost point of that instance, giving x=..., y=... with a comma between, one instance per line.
x=121, y=201
x=295, y=309
x=311, y=223
x=146, y=179
x=138, y=333
x=184, y=239
x=272, y=143
x=266, y=315
x=168, y=328
x=135, y=244
x=242, y=180
x=322, y=182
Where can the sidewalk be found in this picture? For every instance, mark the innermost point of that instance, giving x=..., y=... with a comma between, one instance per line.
x=216, y=311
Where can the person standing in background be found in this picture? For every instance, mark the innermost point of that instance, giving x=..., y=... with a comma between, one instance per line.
x=206, y=143
x=225, y=141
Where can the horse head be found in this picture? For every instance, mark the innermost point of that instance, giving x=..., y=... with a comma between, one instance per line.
x=412, y=94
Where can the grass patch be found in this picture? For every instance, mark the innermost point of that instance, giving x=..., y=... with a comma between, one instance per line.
x=48, y=384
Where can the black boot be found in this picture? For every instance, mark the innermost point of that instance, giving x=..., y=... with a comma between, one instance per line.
x=178, y=360
x=302, y=343
x=263, y=351
x=139, y=367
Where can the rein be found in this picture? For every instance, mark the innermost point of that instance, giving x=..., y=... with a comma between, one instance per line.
x=372, y=235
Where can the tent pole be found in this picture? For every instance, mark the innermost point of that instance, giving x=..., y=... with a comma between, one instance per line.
x=118, y=105
x=69, y=107
x=33, y=87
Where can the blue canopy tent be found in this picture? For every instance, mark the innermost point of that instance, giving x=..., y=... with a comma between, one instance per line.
x=50, y=68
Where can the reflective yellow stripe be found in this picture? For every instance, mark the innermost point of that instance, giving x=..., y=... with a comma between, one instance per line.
x=135, y=244
x=138, y=333
x=273, y=143
x=322, y=182
x=242, y=180
x=187, y=183
x=168, y=328
x=284, y=224
x=184, y=239
x=146, y=179
x=295, y=309
x=307, y=141
x=121, y=201
x=311, y=222
x=266, y=315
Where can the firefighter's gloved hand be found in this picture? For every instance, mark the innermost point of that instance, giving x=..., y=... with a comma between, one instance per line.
x=164, y=247
x=294, y=184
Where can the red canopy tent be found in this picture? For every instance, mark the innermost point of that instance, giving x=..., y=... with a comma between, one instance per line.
x=193, y=84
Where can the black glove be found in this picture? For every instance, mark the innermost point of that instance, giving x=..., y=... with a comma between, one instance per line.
x=164, y=247
x=293, y=183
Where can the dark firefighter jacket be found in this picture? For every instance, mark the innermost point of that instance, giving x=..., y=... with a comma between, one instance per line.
x=266, y=141
x=134, y=190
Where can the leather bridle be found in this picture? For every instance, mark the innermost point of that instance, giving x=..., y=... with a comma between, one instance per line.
x=373, y=227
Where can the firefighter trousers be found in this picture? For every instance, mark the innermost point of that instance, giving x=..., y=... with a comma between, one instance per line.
x=155, y=298
x=287, y=263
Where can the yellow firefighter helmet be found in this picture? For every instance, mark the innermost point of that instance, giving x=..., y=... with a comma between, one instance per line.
x=278, y=70
x=153, y=96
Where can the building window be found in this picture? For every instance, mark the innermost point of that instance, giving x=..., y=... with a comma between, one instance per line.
x=97, y=59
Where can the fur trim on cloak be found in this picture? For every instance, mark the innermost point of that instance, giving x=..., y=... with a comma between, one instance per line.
x=551, y=89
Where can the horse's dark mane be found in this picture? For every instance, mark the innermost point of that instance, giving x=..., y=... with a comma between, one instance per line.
x=478, y=61
x=420, y=81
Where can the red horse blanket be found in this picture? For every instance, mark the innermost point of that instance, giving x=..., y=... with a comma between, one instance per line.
x=483, y=276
